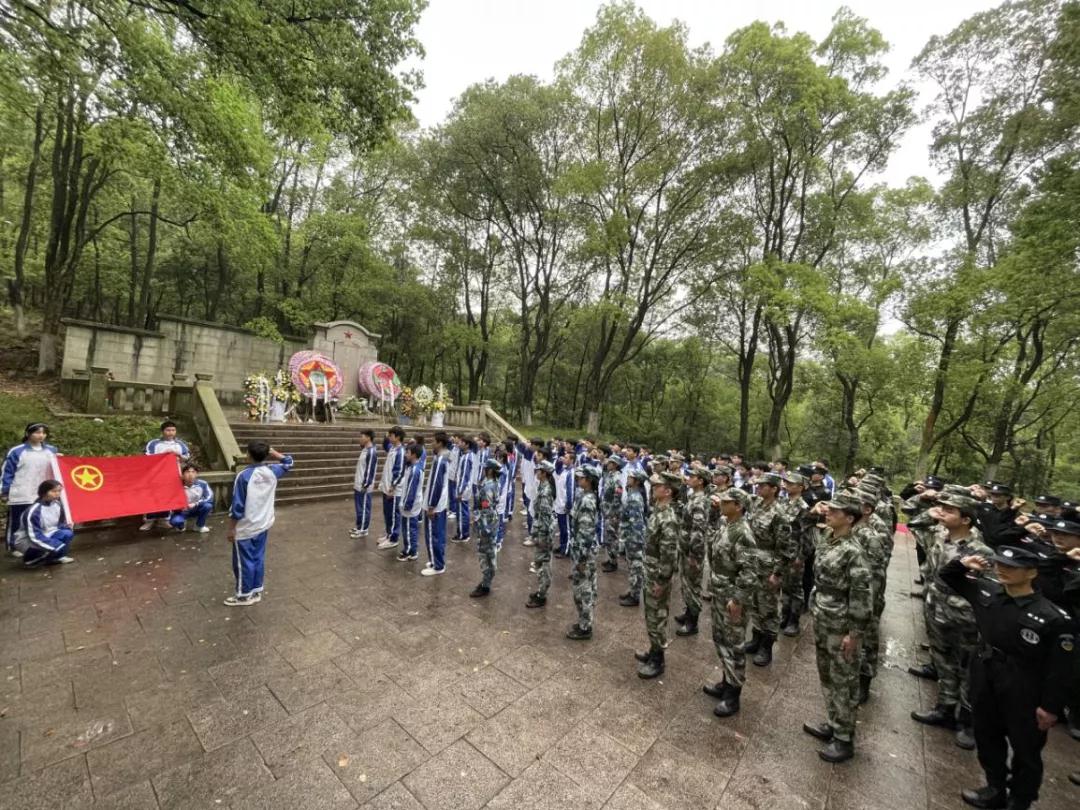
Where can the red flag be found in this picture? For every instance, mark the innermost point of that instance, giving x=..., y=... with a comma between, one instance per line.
x=114, y=486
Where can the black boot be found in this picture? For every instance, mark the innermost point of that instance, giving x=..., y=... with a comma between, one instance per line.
x=965, y=734
x=629, y=600
x=687, y=628
x=653, y=667
x=1073, y=724
x=985, y=797
x=764, y=654
x=642, y=656
x=717, y=690
x=608, y=566
x=822, y=731
x=479, y=591
x=682, y=616
x=753, y=644
x=536, y=600
x=864, y=688
x=1074, y=777
x=943, y=715
x=785, y=616
x=575, y=633
x=926, y=671
x=792, y=626
x=837, y=751
x=729, y=705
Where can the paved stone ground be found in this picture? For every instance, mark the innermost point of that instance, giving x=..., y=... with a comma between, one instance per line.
x=127, y=683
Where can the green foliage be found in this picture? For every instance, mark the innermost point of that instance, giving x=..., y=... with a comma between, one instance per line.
x=117, y=435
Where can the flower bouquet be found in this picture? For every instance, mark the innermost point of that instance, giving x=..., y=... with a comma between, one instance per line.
x=407, y=406
x=439, y=405
x=257, y=395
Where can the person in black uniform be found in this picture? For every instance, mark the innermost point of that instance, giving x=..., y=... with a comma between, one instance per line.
x=1061, y=585
x=1019, y=677
x=997, y=514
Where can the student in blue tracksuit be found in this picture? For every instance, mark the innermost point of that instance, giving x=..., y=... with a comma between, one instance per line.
x=200, y=501
x=26, y=467
x=393, y=471
x=48, y=532
x=483, y=455
x=526, y=452
x=512, y=460
x=250, y=519
x=454, y=462
x=564, y=499
x=412, y=502
x=168, y=443
x=506, y=486
x=466, y=478
x=436, y=502
x=364, y=484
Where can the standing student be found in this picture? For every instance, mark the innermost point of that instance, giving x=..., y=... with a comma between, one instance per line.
x=167, y=443
x=364, y=484
x=26, y=467
x=632, y=532
x=564, y=499
x=512, y=459
x=250, y=519
x=412, y=501
x=583, y=552
x=487, y=524
x=466, y=487
x=436, y=501
x=483, y=454
x=200, y=501
x=544, y=529
x=48, y=532
x=528, y=482
x=454, y=464
x=392, y=475
x=661, y=566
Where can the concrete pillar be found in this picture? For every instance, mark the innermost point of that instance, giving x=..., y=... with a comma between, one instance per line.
x=97, y=392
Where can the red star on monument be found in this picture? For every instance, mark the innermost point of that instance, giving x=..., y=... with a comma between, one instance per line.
x=348, y=335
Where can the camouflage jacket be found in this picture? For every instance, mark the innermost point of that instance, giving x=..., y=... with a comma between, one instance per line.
x=632, y=518
x=583, y=525
x=662, y=542
x=611, y=490
x=798, y=515
x=872, y=542
x=843, y=600
x=736, y=566
x=696, y=520
x=885, y=529
x=772, y=533
x=543, y=509
x=944, y=604
x=487, y=519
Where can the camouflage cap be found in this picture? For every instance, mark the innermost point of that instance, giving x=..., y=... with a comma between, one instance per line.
x=956, y=489
x=638, y=474
x=547, y=467
x=587, y=471
x=796, y=478
x=772, y=479
x=741, y=497
x=844, y=501
x=617, y=460
x=700, y=471
x=667, y=479
x=492, y=464
x=724, y=469
x=867, y=497
x=965, y=503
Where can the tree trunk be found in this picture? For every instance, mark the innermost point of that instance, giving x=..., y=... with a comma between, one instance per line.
x=592, y=426
x=526, y=415
x=15, y=288
x=151, y=255
x=928, y=439
x=133, y=255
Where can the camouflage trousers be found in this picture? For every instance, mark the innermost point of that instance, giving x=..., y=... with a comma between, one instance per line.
x=583, y=583
x=793, y=598
x=951, y=647
x=487, y=549
x=839, y=680
x=922, y=540
x=542, y=561
x=611, y=536
x=657, y=597
x=765, y=615
x=872, y=639
x=635, y=561
x=691, y=565
x=728, y=638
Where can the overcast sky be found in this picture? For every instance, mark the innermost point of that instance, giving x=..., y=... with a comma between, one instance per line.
x=468, y=41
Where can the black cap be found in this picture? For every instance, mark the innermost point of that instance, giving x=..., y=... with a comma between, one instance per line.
x=934, y=482
x=997, y=488
x=1065, y=527
x=1014, y=557
x=1049, y=500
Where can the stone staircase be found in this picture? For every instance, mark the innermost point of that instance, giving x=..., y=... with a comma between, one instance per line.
x=324, y=455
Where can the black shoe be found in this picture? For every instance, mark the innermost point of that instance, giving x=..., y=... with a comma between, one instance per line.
x=609, y=566
x=653, y=667
x=837, y=751
x=536, y=601
x=864, y=688
x=560, y=555
x=1073, y=725
x=791, y=629
x=1018, y=804
x=575, y=633
x=1074, y=777
x=919, y=580
x=718, y=690
x=942, y=715
x=688, y=628
x=763, y=657
x=965, y=734
x=629, y=600
x=682, y=617
x=925, y=671
x=479, y=591
x=823, y=731
x=985, y=797
x=917, y=594
x=730, y=704
x=642, y=656
x=753, y=644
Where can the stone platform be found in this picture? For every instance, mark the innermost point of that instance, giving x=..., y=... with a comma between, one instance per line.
x=127, y=684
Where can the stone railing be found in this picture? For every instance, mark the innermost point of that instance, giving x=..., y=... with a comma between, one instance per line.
x=480, y=416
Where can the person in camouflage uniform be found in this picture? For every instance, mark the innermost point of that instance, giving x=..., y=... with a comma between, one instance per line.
x=610, y=506
x=692, y=543
x=661, y=560
x=871, y=534
x=842, y=606
x=544, y=531
x=723, y=478
x=772, y=533
x=950, y=619
x=583, y=551
x=487, y=524
x=884, y=510
x=632, y=528
x=920, y=523
x=798, y=513
x=734, y=579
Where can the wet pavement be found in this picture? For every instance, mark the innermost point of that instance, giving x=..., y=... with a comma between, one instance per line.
x=127, y=684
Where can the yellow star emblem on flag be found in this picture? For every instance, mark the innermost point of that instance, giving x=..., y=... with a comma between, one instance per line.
x=87, y=477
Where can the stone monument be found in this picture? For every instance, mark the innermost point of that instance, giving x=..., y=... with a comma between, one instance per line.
x=349, y=345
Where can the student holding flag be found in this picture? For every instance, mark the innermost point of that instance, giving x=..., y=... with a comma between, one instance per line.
x=26, y=467
x=48, y=531
x=168, y=443
x=200, y=501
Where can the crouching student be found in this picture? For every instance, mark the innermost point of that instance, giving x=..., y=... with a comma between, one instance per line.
x=48, y=532
x=250, y=519
x=200, y=501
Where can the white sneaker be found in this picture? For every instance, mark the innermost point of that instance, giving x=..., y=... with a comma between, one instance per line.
x=16, y=553
x=532, y=568
x=384, y=537
x=355, y=533
x=432, y=572
x=203, y=530
x=243, y=601
x=163, y=523
x=528, y=542
x=385, y=544
x=65, y=560
x=451, y=516
x=147, y=526
x=523, y=513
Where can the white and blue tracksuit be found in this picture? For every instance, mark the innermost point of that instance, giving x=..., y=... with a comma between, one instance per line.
x=200, y=503
x=466, y=489
x=452, y=481
x=512, y=460
x=253, y=509
x=564, y=502
x=412, y=504
x=437, y=500
x=506, y=489
x=363, y=484
x=47, y=535
x=528, y=482
x=393, y=471
x=178, y=448
x=26, y=467
x=478, y=473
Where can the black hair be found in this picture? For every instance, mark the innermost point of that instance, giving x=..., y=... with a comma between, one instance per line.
x=258, y=450
x=414, y=449
x=369, y=433
x=189, y=466
x=536, y=441
x=485, y=436
x=441, y=438
x=397, y=431
x=168, y=423
x=47, y=486
x=32, y=427
x=510, y=445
